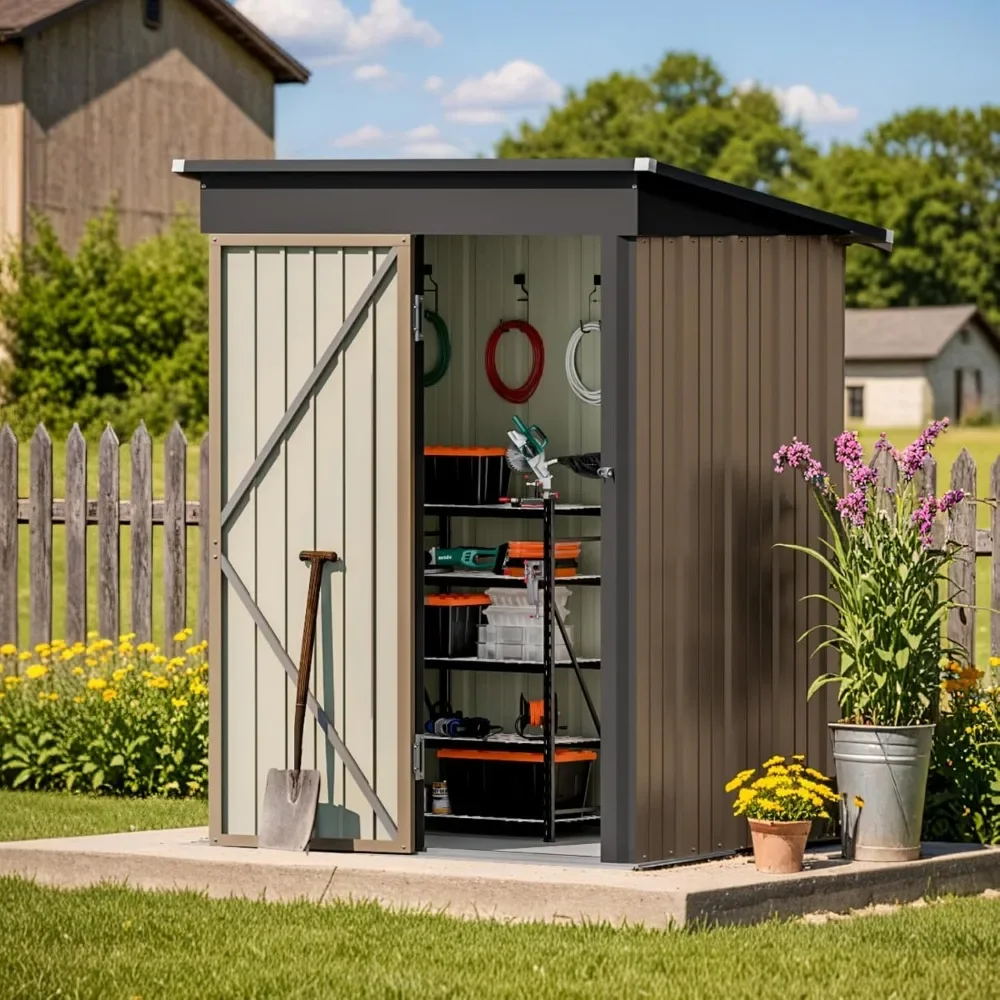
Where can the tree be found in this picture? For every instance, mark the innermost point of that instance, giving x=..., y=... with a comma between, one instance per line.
x=683, y=113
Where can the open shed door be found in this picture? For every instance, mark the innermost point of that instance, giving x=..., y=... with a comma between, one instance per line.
x=312, y=447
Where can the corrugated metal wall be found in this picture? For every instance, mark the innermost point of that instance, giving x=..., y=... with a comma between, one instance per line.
x=474, y=276
x=333, y=485
x=739, y=346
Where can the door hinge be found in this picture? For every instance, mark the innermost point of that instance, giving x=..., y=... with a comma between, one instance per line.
x=606, y=472
x=418, y=758
x=418, y=318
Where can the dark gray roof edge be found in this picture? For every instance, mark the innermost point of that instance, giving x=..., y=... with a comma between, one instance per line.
x=859, y=232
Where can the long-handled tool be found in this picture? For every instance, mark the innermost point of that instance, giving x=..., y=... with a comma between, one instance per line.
x=292, y=797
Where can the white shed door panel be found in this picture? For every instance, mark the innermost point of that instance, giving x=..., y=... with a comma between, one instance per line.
x=312, y=394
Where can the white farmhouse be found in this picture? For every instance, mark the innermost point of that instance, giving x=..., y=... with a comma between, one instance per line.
x=906, y=366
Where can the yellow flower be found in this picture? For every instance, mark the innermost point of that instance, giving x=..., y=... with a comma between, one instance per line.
x=36, y=671
x=12, y=681
x=110, y=694
x=773, y=760
x=53, y=696
x=197, y=688
x=90, y=661
x=8, y=649
x=768, y=804
x=67, y=655
x=859, y=802
x=77, y=671
x=179, y=702
x=968, y=729
x=777, y=769
x=128, y=637
x=93, y=635
x=124, y=649
x=97, y=683
x=193, y=650
x=147, y=674
x=158, y=682
x=43, y=649
x=818, y=775
x=79, y=699
x=119, y=675
x=58, y=644
x=180, y=636
x=158, y=659
x=26, y=655
x=733, y=785
x=145, y=647
x=995, y=661
x=798, y=756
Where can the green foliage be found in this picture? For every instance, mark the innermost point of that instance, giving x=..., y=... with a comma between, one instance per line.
x=963, y=789
x=117, y=720
x=682, y=113
x=110, y=333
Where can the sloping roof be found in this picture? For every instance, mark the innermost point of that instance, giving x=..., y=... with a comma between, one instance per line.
x=642, y=173
x=916, y=333
x=21, y=18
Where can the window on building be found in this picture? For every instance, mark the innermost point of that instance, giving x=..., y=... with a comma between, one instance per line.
x=855, y=402
x=152, y=13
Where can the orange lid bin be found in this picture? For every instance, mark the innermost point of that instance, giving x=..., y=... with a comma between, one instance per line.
x=455, y=600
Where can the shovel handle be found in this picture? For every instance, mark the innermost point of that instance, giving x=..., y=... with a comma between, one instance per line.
x=316, y=562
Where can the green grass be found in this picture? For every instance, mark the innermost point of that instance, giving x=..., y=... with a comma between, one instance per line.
x=125, y=575
x=111, y=942
x=33, y=815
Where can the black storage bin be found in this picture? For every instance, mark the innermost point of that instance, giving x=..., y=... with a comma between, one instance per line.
x=465, y=475
x=451, y=623
x=509, y=783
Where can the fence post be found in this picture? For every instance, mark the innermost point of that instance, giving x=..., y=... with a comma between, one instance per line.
x=8, y=536
x=175, y=534
x=961, y=528
x=928, y=477
x=204, y=561
x=142, y=534
x=888, y=478
x=108, y=536
x=76, y=536
x=41, y=536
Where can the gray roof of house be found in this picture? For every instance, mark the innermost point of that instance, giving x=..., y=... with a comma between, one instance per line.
x=914, y=333
x=21, y=18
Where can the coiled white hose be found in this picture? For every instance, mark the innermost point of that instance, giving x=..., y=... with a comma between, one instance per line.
x=591, y=396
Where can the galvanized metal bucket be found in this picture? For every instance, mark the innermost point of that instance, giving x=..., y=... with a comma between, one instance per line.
x=882, y=780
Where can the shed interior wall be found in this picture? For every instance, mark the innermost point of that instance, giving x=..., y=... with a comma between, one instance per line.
x=475, y=292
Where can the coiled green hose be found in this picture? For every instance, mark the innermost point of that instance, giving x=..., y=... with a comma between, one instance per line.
x=444, y=349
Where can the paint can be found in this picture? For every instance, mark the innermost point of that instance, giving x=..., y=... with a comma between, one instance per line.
x=440, y=804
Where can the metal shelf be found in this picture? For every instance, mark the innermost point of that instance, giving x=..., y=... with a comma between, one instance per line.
x=503, y=666
x=511, y=740
x=576, y=817
x=506, y=510
x=472, y=578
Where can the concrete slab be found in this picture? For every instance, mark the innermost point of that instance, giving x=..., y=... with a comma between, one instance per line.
x=718, y=892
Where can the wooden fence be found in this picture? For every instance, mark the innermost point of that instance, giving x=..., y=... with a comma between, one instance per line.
x=76, y=510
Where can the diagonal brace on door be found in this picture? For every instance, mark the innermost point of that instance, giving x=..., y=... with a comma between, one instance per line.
x=385, y=272
x=321, y=717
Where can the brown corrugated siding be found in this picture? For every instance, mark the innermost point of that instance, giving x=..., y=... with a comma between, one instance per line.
x=739, y=346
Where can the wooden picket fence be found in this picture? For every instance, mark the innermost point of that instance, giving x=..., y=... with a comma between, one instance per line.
x=76, y=510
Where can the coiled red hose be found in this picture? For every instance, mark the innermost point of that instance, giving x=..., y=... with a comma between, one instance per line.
x=522, y=393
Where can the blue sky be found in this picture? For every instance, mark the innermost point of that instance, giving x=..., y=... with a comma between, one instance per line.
x=447, y=77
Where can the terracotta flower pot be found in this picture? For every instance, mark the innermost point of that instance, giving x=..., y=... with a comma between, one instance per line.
x=778, y=846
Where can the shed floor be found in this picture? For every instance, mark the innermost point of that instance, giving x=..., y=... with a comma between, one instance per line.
x=579, y=849
x=515, y=888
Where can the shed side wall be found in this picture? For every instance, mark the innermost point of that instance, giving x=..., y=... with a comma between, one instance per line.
x=11, y=145
x=739, y=346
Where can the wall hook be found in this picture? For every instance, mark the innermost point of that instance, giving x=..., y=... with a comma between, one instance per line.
x=428, y=273
x=591, y=297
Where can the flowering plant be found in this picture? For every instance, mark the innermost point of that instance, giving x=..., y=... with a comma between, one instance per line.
x=113, y=718
x=886, y=577
x=787, y=791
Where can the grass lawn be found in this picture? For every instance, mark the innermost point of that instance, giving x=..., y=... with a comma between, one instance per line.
x=112, y=942
x=59, y=542
x=33, y=815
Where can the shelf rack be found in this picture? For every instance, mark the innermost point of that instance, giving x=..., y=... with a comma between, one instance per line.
x=546, y=511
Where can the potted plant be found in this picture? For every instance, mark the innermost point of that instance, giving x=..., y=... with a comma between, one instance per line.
x=780, y=807
x=890, y=598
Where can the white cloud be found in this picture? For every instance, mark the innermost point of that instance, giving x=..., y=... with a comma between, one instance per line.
x=476, y=116
x=372, y=71
x=801, y=102
x=328, y=28
x=431, y=149
x=516, y=84
x=367, y=135
x=423, y=132
x=433, y=84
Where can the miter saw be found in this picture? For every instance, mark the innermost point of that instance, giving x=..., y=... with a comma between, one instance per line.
x=526, y=453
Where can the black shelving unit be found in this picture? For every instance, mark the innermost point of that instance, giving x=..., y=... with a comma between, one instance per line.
x=546, y=511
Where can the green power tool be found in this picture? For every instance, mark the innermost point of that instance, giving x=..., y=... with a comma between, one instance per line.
x=467, y=557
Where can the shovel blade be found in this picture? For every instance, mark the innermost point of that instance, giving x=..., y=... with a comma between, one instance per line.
x=289, y=814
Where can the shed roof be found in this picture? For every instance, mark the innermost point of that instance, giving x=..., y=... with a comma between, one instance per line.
x=22, y=18
x=665, y=183
x=908, y=333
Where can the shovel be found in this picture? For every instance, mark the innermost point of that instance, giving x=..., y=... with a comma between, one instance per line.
x=291, y=797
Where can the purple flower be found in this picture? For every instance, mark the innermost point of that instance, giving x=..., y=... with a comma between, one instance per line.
x=791, y=456
x=863, y=477
x=951, y=498
x=849, y=452
x=923, y=518
x=912, y=459
x=853, y=507
x=882, y=444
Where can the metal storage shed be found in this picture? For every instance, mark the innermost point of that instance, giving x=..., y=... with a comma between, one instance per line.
x=722, y=336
